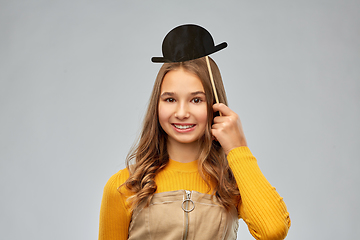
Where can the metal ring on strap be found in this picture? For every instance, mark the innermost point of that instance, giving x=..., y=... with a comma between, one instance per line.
x=186, y=210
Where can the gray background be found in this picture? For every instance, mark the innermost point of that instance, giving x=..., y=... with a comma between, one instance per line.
x=75, y=78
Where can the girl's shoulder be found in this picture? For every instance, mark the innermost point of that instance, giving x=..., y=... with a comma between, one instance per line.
x=121, y=175
x=116, y=180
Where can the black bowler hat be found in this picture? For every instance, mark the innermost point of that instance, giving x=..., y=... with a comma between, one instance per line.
x=187, y=42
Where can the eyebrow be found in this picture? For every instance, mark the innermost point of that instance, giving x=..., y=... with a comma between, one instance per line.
x=198, y=92
x=171, y=94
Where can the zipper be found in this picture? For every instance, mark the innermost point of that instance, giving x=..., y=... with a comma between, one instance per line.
x=185, y=206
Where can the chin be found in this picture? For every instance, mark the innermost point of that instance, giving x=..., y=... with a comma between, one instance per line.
x=187, y=140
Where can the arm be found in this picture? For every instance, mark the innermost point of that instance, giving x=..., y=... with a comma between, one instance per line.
x=261, y=207
x=114, y=214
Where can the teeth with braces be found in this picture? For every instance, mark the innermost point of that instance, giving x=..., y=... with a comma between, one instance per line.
x=183, y=126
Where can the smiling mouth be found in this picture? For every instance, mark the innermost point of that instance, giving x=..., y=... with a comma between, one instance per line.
x=183, y=126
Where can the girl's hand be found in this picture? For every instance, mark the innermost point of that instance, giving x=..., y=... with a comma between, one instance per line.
x=227, y=129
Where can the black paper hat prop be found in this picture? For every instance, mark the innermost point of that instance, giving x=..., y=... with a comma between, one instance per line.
x=188, y=42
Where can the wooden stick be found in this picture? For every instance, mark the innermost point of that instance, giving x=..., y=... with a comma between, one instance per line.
x=212, y=81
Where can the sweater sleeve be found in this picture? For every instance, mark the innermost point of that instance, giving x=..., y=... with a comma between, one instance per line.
x=115, y=216
x=261, y=207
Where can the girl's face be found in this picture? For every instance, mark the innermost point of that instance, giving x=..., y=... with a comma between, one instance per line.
x=182, y=106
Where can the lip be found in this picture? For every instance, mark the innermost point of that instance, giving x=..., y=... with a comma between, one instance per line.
x=183, y=130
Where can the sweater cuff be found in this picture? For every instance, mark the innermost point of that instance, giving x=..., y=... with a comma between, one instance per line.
x=244, y=153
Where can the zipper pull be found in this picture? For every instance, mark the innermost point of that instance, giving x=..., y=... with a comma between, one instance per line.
x=186, y=202
x=188, y=194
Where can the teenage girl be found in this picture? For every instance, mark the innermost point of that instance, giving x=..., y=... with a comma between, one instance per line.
x=192, y=175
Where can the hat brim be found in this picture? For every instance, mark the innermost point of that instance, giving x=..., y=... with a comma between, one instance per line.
x=215, y=49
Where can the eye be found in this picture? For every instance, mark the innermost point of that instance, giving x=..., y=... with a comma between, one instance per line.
x=170, y=100
x=196, y=100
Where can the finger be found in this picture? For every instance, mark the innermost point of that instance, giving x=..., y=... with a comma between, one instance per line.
x=216, y=126
x=219, y=119
x=225, y=110
x=213, y=132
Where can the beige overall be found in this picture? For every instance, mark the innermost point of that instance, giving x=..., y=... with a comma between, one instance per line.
x=183, y=215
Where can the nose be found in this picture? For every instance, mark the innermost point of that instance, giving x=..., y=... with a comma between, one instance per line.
x=182, y=111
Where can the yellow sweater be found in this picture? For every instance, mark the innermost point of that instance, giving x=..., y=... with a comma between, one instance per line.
x=261, y=207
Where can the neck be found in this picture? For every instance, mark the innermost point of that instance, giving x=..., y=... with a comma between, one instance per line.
x=183, y=152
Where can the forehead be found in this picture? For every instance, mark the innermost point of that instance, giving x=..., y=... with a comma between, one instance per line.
x=181, y=81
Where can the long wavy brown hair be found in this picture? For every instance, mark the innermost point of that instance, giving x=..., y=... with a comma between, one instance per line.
x=149, y=156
